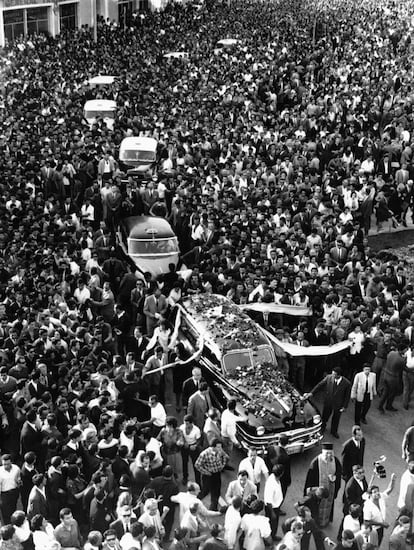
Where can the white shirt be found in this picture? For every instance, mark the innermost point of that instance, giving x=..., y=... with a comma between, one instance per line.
x=158, y=415
x=256, y=528
x=407, y=479
x=185, y=500
x=273, y=492
x=9, y=480
x=193, y=436
x=228, y=425
x=254, y=472
x=232, y=521
x=127, y=541
x=409, y=359
x=372, y=512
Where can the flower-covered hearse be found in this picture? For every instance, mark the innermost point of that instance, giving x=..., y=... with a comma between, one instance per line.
x=239, y=361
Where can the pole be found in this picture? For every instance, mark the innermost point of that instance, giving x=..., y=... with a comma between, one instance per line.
x=94, y=20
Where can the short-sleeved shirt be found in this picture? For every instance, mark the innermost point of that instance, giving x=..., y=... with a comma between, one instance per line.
x=256, y=530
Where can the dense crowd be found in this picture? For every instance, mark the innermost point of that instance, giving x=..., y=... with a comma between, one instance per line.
x=275, y=156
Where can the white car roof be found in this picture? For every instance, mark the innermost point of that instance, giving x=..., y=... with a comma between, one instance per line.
x=102, y=79
x=100, y=104
x=227, y=42
x=136, y=142
x=176, y=54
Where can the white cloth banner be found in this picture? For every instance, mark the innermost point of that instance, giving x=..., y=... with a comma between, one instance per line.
x=310, y=351
x=287, y=309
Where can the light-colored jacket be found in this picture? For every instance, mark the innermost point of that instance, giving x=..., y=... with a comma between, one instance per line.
x=359, y=385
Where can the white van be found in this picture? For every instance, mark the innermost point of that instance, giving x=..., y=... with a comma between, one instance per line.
x=139, y=153
x=100, y=108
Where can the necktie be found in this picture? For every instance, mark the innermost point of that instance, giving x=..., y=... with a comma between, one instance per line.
x=126, y=528
x=366, y=385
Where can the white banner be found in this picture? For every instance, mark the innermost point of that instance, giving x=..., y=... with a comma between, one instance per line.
x=310, y=351
x=287, y=309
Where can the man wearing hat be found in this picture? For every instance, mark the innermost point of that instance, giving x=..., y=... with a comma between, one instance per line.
x=325, y=471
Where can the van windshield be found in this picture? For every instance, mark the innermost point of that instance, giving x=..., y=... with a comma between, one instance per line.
x=136, y=154
x=159, y=246
x=96, y=114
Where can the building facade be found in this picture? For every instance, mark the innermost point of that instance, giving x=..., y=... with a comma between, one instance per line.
x=25, y=17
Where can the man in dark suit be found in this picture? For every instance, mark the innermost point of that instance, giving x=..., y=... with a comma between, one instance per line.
x=31, y=436
x=354, y=489
x=191, y=385
x=337, y=391
x=65, y=416
x=353, y=452
x=138, y=344
x=277, y=454
x=123, y=524
x=198, y=405
x=121, y=324
x=165, y=487
x=120, y=465
x=38, y=503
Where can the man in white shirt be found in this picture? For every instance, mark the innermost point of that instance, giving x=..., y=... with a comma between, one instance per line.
x=375, y=508
x=192, y=438
x=273, y=498
x=229, y=427
x=232, y=521
x=255, y=467
x=10, y=483
x=186, y=499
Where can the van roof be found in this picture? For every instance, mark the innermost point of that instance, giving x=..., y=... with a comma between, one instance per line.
x=100, y=104
x=136, y=142
x=142, y=227
x=102, y=79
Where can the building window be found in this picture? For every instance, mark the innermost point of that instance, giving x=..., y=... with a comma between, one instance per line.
x=13, y=24
x=125, y=9
x=37, y=20
x=68, y=16
x=25, y=22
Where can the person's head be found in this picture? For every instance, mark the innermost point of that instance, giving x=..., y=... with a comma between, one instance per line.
x=125, y=513
x=257, y=506
x=168, y=472
x=18, y=518
x=358, y=472
x=355, y=510
x=357, y=433
x=30, y=458
x=7, y=532
x=374, y=492
x=196, y=373
x=217, y=444
x=297, y=529
x=327, y=452
x=110, y=538
x=95, y=538
x=404, y=524
x=348, y=538
x=65, y=516
x=150, y=532
x=193, y=488
x=304, y=513
x=236, y=502
x=215, y=530
x=151, y=506
x=411, y=466
x=203, y=387
x=243, y=477
x=278, y=470
x=231, y=405
x=283, y=440
x=180, y=533
x=337, y=372
x=6, y=462
x=37, y=522
x=171, y=422
x=153, y=401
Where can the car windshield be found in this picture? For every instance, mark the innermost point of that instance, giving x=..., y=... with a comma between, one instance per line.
x=247, y=358
x=96, y=114
x=159, y=246
x=136, y=154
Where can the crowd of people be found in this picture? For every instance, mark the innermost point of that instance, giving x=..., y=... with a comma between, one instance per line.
x=274, y=157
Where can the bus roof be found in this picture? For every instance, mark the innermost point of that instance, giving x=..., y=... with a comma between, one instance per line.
x=100, y=105
x=141, y=143
x=147, y=227
x=102, y=80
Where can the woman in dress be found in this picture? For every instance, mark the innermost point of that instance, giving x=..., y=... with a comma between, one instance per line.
x=172, y=441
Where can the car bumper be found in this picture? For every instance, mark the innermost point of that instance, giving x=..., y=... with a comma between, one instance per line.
x=300, y=440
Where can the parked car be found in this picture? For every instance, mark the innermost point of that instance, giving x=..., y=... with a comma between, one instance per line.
x=239, y=361
x=150, y=242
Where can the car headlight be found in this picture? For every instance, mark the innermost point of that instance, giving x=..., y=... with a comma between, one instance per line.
x=260, y=430
x=316, y=418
